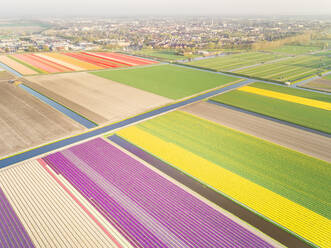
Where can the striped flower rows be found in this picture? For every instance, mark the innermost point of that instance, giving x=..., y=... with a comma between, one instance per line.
x=146, y=208
x=34, y=63
x=251, y=171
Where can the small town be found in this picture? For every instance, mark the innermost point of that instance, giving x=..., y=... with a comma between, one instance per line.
x=165, y=124
x=192, y=35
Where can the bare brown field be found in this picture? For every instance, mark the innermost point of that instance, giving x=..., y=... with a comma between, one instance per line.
x=98, y=99
x=296, y=139
x=5, y=76
x=26, y=122
x=319, y=84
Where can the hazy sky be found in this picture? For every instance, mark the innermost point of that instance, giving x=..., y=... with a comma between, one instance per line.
x=161, y=7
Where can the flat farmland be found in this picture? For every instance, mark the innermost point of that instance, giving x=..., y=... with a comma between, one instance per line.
x=99, y=100
x=324, y=53
x=323, y=84
x=170, y=81
x=230, y=62
x=293, y=138
x=292, y=49
x=303, y=108
x=5, y=76
x=44, y=63
x=148, y=209
x=123, y=58
x=162, y=54
x=293, y=69
x=109, y=60
x=80, y=65
x=41, y=63
x=27, y=122
x=19, y=67
x=53, y=218
x=249, y=170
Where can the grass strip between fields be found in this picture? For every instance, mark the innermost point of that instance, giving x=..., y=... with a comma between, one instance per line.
x=282, y=210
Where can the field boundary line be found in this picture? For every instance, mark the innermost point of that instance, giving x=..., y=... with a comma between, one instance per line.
x=34, y=152
x=57, y=106
x=287, y=97
x=205, y=185
x=264, y=80
x=270, y=118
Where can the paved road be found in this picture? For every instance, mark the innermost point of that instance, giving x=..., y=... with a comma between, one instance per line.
x=59, y=144
x=296, y=139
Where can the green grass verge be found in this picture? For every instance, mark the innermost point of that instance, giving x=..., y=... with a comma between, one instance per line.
x=298, y=177
x=170, y=81
x=293, y=91
x=27, y=65
x=311, y=117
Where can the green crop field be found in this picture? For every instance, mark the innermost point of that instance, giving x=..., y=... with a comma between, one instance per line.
x=171, y=81
x=291, y=49
x=235, y=61
x=292, y=69
x=307, y=116
x=257, y=160
x=160, y=54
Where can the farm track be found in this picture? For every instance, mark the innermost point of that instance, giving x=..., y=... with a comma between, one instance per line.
x=70, y=140
x=293, y=138
x=4, y=162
